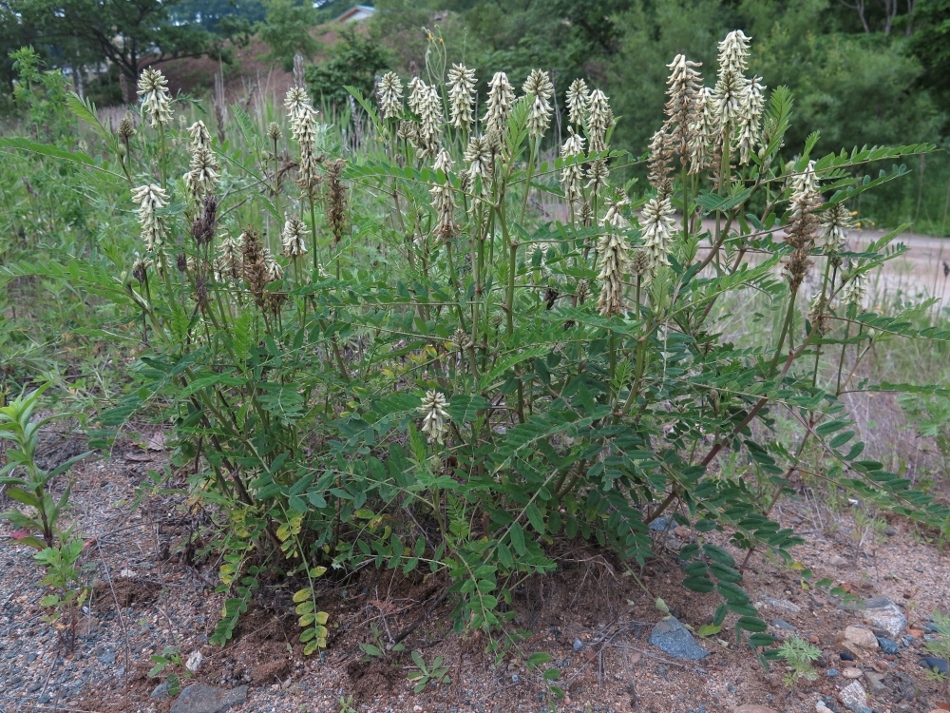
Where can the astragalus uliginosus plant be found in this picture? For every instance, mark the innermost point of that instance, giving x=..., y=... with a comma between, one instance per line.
x=396, y=356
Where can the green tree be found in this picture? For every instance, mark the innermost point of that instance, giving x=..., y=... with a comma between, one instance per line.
x=355, y=61
x=124, y=32
x=654, y=33
x=286, y=29
x=930, y=44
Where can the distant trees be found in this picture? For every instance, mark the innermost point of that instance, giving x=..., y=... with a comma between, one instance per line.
x=124, y=32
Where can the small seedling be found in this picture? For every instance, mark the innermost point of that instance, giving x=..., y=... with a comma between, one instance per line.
x=800, y=655
x=63, y=575
x=170, y=657
x=28, y=484
x=436, y=673
x=378, y=649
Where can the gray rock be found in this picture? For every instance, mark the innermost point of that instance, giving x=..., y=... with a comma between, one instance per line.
x=781, y=624
x=936, y=664
x=160, y=691
x=882, y=613
x=888, y=646
x=831, y=672
x=660, y=524
x=854, y=696
x=578, y=644
x=782, y=604
x=875, y=681
x=200, y=698
x=671, y=637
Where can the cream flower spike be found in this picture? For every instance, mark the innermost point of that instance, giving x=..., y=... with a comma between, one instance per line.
x=435, y=417
x=156, y=102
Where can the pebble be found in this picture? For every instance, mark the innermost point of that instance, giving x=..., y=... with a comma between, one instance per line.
x=858, y=637
x=160, y=691
x=754, y=708
x=782, y=604
x=888, y=646
x=199, y=698
x=671, y=637
x=854, y=696
x=876, y=682
x=831, y=672
x=846, y=656
x=660, y=524
x=882, y=613
x=852, y=672
x=782, y=624
x=578, y=644
x=936, y=664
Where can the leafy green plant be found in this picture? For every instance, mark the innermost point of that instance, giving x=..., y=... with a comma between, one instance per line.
x=64, y=575
x=435, y=673
x=929, y=416
x=170, y=658
x=471, y=348
x=378, y=648
x=800, y=656
x=25, y=482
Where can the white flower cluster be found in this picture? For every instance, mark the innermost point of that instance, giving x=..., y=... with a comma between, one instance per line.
x=156, y=102
x=292, y=238
x=151, y=198
x=202, y=178
x=435, y=417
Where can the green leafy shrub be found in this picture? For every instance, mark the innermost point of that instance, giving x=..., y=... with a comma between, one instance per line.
x=470, y=349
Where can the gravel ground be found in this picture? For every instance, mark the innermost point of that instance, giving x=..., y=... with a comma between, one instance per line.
x=151, y=592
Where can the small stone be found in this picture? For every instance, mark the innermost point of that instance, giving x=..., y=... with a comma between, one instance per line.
x=853, y=696
x=890, y=530
x=782, y=624
x=831, y=673
x=160, y=691
x=846, y=656
x=782, y=604
x=754, y=708
x=108, y=658
x=660, y=524
x=515, y=678
x=199, y=698
x=820, y=707
x=859, y=637
x=875, y=682
x=194, y=661
x=838, y=561
x=671, y=637
x=888, y=646
x=852, y=673
x=935, y=664
x=578, y=644
x=907, y=640
x=882, y=613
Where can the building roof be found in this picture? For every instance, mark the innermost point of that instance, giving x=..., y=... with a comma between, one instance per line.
x=356, y=13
